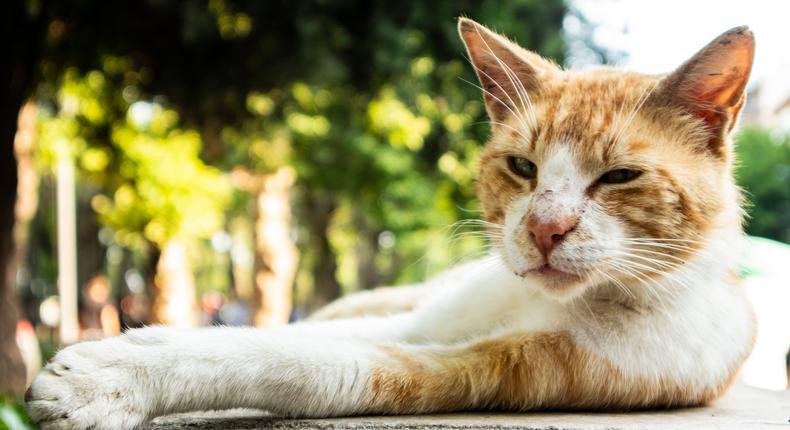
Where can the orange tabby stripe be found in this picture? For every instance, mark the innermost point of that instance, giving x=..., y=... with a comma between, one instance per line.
x=519, y=372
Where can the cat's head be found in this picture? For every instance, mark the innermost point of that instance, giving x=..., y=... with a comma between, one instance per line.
x=605, y=175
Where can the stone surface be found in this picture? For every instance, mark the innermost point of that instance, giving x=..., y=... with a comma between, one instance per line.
x=742, y=408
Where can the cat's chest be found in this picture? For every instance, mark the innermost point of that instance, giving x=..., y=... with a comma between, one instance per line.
x=708, y=329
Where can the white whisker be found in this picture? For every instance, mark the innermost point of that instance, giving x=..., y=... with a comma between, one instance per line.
x=513, y=79
x=521, y=121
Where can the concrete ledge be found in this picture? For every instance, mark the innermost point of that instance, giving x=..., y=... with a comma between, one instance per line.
x=741, y=408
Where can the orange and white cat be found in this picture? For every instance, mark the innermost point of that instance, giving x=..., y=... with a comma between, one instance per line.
x=611, y=283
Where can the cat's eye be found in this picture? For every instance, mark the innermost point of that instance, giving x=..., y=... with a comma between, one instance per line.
x=522, y=167
x=619, y=176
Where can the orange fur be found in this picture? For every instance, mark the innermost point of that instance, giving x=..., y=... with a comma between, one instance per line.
x=674, y=128
x=519, y=373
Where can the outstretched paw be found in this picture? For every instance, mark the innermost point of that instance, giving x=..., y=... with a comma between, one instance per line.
x=90, y=385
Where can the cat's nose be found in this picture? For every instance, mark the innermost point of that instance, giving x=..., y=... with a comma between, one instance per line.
x=548, y=233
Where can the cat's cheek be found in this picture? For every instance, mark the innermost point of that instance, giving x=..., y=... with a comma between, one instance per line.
x=518, y=251
x=513, y=249
x=604, y=229
x=514, y=258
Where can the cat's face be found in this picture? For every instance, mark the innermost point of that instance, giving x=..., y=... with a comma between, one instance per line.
x=605, y=175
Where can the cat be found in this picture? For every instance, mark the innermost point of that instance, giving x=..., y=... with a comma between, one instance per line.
x=615, y=220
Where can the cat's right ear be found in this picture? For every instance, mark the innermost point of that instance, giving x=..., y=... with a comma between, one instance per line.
x=507, y=72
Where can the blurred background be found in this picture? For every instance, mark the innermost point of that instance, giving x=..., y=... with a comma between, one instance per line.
x=244, y=162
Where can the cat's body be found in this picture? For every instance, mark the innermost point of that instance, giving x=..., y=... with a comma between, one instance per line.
x=615, y=219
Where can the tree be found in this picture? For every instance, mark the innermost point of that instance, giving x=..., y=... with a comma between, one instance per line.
x=21, y=30
x=325, y=70
x=156, y=189
x=764, y=173
x=363, y=101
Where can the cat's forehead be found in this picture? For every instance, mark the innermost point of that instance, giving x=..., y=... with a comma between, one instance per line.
x=590, y=112
x=589, y=103
x=602, y=81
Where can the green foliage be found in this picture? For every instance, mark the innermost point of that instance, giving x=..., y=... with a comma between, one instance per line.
x=169, y=192
x=154, y=186
x=370, y=102
x=764, y=173
x=13, y=416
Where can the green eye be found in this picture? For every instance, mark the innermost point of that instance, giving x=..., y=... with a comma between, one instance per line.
x=522, y=167
x=619, y=176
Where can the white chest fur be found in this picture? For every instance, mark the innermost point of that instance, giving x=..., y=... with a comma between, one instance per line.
x=692, y=327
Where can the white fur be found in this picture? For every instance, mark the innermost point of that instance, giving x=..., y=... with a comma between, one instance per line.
x=561, y=186
x=561, y=193
x=707, y=321
x=688, y=326
x=320, y=368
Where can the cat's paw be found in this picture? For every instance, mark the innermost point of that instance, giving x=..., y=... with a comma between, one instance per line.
x=91, y=385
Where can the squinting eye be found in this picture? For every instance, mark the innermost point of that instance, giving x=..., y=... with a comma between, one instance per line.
x=522, y=167
x=619, y=176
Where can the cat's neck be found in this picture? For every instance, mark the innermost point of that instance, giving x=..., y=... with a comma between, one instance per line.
x=714, y=264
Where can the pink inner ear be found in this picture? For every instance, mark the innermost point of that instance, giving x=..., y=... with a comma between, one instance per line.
x=488, y=53
x=718, y=80
x=711, y=85
x=719, y=73
x=718, y=94
x=717, y=90
x=502, y=67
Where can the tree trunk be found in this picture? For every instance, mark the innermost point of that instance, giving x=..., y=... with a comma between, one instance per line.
x=12, y=368
x=67, y=248
x=25, y=209
x=174, y=302
x=28, y=180
x=276, y=257
x=325, y=288
x=17, y=79
x=367, y=247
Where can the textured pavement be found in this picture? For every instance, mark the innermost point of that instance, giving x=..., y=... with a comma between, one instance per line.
x=741, y=408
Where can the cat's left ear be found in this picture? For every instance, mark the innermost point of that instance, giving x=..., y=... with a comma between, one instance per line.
x=712, y=84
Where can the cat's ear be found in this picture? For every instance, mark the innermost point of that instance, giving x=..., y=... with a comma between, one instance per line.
x=507, y=72
x=712, y=84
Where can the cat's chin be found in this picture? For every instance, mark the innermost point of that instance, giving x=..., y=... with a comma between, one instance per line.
x=558, y=284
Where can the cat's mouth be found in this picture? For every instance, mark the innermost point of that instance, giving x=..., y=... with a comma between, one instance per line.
x=550, y=271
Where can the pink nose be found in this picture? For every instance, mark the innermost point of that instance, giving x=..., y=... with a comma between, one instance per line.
x=547, y=234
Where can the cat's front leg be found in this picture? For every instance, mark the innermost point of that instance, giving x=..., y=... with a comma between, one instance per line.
x=123, y=382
